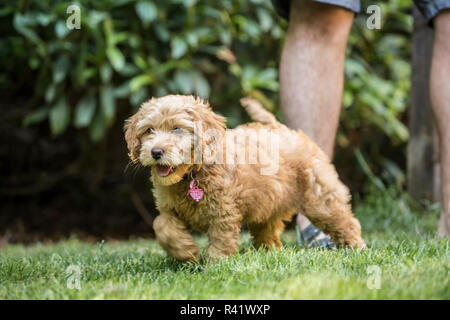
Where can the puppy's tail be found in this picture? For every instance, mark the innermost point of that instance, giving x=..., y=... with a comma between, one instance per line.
x=257, y=112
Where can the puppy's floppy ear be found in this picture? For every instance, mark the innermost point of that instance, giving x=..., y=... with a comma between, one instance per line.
x=131, y=137
x=212, y=128
x=212, y=120
x=206, y=115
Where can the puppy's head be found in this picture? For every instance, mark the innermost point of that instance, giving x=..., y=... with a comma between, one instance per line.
x=162, y=135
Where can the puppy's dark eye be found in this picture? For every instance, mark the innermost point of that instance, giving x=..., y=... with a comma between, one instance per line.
x=177, y=131
x=151, y=131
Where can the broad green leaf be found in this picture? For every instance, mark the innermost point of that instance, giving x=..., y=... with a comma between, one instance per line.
x=140, y=62
x=267, y=79
x=225, y=37
x=50, y=92
x=35, y=117
x=84, y=111
x=123, y=90
x=128, y=70
x=43, y=19
x=252, y=28
x=119, y=37
x=139, y=96
x=265, y=19
x=192, y=39
x=249, y=71
x=400, y=129
x=162, y=32
x=201, y=85
x=105, y=73
x=276, y=32
x=60, y=68
x=141, y=80
x=21, y=24
x=59, y=116
x=97, y=128
x=61, y=29
x=107, y=104
x=179, y=48
x=87, y=74
x=347, y=99
x=183, y=81
x=34, y=63
x=134, y=41
x=94, y=17
x=353, y=67
x=268, y=74
x=146, y=11
x=116, y=58
x=160, y=91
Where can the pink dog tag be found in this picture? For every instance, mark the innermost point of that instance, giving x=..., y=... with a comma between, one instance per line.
x=195, y=192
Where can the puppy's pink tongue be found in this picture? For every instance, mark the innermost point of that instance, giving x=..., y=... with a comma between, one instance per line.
x=163, y=171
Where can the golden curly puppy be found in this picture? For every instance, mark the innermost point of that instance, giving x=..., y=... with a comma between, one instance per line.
x=204, y=180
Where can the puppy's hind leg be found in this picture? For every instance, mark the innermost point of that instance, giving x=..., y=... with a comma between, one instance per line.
x=267, y=234
x=174, y=237
x=326, y=203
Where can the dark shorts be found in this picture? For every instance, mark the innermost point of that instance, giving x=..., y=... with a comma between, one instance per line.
x=429, y=8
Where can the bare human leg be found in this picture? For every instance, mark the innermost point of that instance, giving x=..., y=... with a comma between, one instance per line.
x=312, y=72
x=440, y=101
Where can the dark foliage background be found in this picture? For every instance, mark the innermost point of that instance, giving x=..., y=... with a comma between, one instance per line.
x=65, y=94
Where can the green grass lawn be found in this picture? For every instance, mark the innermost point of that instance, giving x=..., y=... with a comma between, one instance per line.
x=410, y=261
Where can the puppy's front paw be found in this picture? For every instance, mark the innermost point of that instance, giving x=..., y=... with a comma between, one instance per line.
x=362, y=245
x=189, y=256
x=213, y=254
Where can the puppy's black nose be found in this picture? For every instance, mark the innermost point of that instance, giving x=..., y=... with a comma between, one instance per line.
x=157, y=153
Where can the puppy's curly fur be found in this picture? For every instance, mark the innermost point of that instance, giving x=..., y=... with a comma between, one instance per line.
x=306, y=181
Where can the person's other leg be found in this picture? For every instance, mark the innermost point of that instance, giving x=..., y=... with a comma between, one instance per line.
x=312, y=72
x=312, y=69
x=440, y=101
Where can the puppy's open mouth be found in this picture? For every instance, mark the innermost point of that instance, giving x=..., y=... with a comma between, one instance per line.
x=164, y=171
